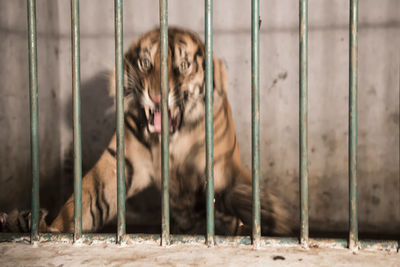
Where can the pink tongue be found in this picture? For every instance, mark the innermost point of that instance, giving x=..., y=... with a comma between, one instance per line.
x=157, y=121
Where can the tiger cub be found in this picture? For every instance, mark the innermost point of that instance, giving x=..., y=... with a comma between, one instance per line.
x=186, y=106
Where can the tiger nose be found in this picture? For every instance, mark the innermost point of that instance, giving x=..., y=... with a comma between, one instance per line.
x=156, y=98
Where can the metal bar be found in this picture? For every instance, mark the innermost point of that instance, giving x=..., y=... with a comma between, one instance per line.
x=119, y=85
x=255, y=119
x=164, y=123
x=34, y=113
x=353, y=168
x=209, y=121
x=76, y=92
x=200, y=239
x=303, y=62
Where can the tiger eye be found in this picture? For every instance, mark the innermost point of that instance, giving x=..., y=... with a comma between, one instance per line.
x=146, y=64
x=184, y=66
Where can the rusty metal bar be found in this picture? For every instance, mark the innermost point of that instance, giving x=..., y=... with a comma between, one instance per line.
x=76, y=92
x=303, y=67
x=209, y=122
x=255, y=120
x=164, y=124
x=119, y=85
x=353, y=164
x=34, y=113
x=392, y=245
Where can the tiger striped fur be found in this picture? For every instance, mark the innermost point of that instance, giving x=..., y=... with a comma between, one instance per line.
x=186, y=102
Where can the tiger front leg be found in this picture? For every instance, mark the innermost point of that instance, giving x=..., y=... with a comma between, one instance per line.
x=99, y=191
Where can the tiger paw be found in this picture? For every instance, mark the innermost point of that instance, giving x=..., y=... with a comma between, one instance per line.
x=3, y=221
x=20, y=221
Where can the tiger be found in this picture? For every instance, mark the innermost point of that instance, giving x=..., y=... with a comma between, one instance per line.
x=187, y=156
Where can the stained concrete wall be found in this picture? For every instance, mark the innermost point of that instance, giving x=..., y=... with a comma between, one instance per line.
x=379, y=59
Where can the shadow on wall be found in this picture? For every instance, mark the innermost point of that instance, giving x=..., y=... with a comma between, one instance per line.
x=97, y=119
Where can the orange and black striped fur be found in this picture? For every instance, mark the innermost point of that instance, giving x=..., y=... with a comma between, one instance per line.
x=186, y=102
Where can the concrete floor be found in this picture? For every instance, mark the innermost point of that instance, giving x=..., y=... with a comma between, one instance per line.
x=45, y=254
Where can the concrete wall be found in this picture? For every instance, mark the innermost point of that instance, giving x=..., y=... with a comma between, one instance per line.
x=379, y=60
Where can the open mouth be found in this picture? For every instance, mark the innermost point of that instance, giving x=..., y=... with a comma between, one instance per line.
x=154, y=119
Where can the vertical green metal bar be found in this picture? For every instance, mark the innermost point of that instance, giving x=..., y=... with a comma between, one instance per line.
x=255, y=119
x=303, y=62
x=34, y=113
x=165, y=238
x=76, y=92
x=119, y=80
x=353, y=87
x=209, y=122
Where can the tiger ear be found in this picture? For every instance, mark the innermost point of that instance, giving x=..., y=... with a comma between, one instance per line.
x=220, y=76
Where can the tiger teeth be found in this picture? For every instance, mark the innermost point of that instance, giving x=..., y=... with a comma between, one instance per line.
x=174, y=112
x=149, y=112
x=152, y=129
